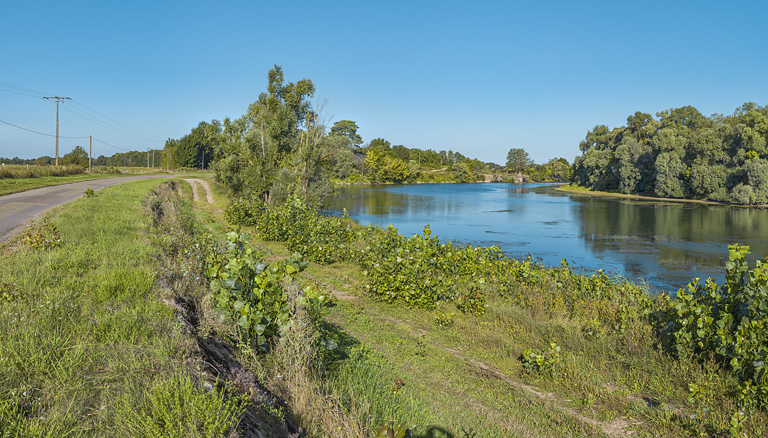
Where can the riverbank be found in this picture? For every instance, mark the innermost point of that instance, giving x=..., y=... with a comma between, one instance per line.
x=587, y=192
x=549, y=353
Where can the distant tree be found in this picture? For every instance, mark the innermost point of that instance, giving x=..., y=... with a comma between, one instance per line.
x=558, y=169
x=45, y=160
x=669, y=175
x=347, y=129
x=518, y=160
x=379, y=143
x=78, y=157
x=460, y=172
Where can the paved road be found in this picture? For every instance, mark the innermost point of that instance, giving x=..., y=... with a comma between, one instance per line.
x=18, y=209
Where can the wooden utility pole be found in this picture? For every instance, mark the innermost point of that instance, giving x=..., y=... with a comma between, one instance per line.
x=90, y=153
x=57, y=122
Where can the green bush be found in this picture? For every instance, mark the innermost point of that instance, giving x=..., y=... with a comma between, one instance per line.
x=727, y=321
x=250, y=293
x=546, y=362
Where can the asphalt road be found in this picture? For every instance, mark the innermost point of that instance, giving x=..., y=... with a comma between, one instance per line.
x=18, y=209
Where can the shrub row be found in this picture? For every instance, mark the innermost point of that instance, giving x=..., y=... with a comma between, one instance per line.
x=727, y=322
x=420, y=270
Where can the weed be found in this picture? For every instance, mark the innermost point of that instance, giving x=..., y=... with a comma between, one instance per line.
x=547, y=362
x=43, y=236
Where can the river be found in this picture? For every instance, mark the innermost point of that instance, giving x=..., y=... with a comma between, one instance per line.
x=664, y=244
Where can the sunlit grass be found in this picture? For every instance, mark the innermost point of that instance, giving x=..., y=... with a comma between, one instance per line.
x=87, y=337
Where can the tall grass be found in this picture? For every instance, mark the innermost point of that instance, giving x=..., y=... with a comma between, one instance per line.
x=86, y=342
x=25, y=171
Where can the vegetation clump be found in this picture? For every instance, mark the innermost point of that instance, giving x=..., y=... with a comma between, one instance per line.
x=727, y=323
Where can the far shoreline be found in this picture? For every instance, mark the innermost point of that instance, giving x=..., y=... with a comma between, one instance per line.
x=587, y=192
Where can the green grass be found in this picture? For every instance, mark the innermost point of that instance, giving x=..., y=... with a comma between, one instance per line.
x=87, y=346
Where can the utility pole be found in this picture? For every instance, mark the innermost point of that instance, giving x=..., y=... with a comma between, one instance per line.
x=57, y=122
x=147, y=157
x=90, y=153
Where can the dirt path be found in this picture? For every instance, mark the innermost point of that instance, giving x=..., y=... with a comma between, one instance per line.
x=195, y=183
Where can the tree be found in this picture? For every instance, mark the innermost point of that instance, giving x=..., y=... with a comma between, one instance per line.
x=266, y=152
x=347, y=129
x=78, y=157
x=460, y=172
x=597, y=138
x=669, y=175
x=197, y=149
x=518, y=160
x=558, y=169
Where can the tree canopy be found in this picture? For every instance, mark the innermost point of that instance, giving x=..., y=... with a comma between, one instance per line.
x=518, y=160
x=681, y=154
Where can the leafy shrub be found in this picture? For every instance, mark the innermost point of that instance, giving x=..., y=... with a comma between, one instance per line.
x=250, y=293
x=443, y=320
x=414, y=270
x=472, y=301
x=546, y=362
x=45, y=236
x=728, y=321
x=89, y=193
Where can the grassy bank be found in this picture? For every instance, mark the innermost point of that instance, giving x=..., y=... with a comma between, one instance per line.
x=87, y=345
x=571, y=188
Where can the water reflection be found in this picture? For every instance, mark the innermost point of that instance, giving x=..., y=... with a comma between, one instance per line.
x=666, y=244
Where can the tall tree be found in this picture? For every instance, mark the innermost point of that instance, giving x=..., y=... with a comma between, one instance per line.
x=347, y=129
x=518, y=160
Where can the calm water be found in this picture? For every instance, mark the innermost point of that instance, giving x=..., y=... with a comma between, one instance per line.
x=665, y=244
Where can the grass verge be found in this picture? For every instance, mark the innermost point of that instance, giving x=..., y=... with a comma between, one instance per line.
x=87, y=346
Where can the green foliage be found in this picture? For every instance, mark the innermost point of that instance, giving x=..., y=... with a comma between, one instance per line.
x=728, y=322
x=518, y=160
x=414, y=270
x=89, y=193
x=250, y=293
x=392, y=430
x=472, y=301
x=78, y=157
x=348, y=130
x=546, y=362
x=43, y=236
x=182, y=407
x=683, y=154
x=443, y=320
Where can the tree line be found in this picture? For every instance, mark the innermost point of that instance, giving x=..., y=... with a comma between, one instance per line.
x=681, y=154
x=79, y=157
x=284, y=146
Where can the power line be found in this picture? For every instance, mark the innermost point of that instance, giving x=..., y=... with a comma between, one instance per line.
x=86, y=112
x=104, y=142
x=153, y=137
x=90, y=118
x=22, y=90
x=36, y=132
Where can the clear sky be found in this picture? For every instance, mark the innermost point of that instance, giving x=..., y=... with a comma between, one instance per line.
x=476, y=77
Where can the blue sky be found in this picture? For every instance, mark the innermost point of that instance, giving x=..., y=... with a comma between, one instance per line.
x=476, y=77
